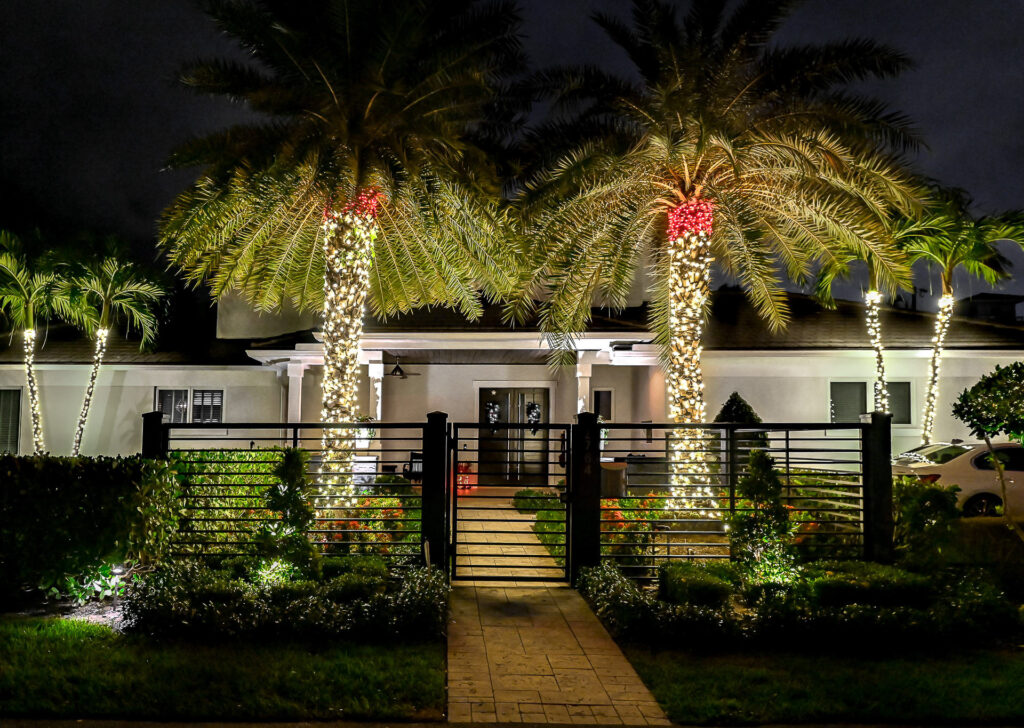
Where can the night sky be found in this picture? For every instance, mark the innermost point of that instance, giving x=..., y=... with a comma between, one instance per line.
x=89, y=110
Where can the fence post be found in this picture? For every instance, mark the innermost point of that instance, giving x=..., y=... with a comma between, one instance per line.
x=733, y=465
x=584, y=538
x=154, y=435
x=878, y=517
x=435, y=473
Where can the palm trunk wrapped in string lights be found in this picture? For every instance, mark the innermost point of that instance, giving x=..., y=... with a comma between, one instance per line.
x=349, y=233
x=873, y=312
x=938, y=341
x=102, y=335
x=38, y=446
x=689, y=285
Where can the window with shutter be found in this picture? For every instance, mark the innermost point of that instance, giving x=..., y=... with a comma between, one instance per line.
x=849, y=401
x=10, y=420
x=899, y=402
x=207, y=405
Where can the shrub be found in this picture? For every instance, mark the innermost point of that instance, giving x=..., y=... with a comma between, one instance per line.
x=191, y=600
x=285, y=539
x=529, y=500
x=697, y=584
x=925, y=518
x=760, y=534
x=831, y=584
x=65, y=522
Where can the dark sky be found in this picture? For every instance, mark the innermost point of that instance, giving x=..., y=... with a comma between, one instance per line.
x=89, y=110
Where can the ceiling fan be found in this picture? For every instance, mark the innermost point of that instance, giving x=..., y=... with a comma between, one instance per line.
x=399, y=372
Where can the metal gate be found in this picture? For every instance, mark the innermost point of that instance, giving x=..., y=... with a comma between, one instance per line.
x=508, y=492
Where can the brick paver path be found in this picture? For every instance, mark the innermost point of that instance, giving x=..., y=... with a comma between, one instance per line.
x=538, y=655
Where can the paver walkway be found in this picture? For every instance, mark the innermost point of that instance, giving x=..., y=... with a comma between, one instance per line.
x=538, y=655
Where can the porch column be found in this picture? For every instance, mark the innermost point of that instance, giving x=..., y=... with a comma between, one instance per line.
x=376, y=376
x=584, y=366
x=295, y=372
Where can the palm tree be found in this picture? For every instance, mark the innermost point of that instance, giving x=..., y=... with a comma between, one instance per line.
x=112, y=288
x=727, y=149
x=368, y=183
x=948, y=239
x=29, y=294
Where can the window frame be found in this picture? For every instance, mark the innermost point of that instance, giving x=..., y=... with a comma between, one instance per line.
x=190, y=415
x=849, y=380
x=869, y=393
x=18, y=418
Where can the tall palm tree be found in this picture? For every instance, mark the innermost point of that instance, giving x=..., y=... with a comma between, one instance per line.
x=30, y=292
x=726, y=149
x=110, y=289
x=368, y=182
x=948, y=239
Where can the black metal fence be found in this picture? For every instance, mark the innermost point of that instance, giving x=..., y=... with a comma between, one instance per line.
x=533, y=502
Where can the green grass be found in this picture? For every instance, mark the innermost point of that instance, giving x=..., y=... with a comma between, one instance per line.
x=966, y=688
x=62, y=668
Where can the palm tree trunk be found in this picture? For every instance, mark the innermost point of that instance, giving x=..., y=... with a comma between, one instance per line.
x=97, y=360
x=689, y=286
x=873, y=299
x=932, y=392
x=38, y=446
x=348, y=257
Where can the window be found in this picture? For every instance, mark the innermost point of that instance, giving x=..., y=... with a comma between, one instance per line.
x=1012, y=458
x=10, y=420
x=849, y=401
x=207, y=405
x=603, y=404
x=899, y=402
x=204, y=405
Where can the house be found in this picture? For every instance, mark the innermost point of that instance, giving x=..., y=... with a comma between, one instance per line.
x=268, y=369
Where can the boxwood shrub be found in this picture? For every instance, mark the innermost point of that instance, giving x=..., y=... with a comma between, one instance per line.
x=709, y=584
x=354, y=600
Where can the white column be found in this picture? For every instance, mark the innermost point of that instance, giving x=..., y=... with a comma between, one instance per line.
x=295, y=372
x=376, y=377
x=584, y=366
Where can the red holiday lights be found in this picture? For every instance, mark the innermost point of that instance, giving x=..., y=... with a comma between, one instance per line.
x=694, y=216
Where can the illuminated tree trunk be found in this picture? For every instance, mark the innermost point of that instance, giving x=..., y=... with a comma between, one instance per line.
x=97, y=361
x=689, y=285
x=348, y=257
x=932, y=392
x=873, y=309
x=38, y=446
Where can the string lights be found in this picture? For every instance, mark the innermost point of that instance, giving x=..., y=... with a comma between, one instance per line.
x=349, y=233
x=689, y=285
x=932, y=393
x=874, y=320
x=102, y=335
x=38, y=445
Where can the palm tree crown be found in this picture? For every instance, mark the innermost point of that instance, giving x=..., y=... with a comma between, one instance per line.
x=791, y=165
x=115, y=289
x=396, y=98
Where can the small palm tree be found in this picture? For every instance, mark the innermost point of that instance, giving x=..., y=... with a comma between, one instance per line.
x=111, y=289
x=29, y=294
x=948, y=239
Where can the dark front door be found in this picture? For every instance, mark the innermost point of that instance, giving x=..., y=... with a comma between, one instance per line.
x=511, y=451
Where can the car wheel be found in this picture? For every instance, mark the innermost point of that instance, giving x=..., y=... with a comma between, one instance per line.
x=982, y=505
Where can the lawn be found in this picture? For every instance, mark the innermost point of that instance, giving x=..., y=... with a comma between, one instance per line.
x=65, y=668
x=969, y=687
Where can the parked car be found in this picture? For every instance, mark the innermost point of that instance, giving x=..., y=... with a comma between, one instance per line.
x=973, y=470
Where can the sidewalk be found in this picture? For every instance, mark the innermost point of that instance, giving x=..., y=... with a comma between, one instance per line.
x=538, y=655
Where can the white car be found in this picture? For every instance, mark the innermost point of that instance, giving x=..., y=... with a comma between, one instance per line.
x=971, y=468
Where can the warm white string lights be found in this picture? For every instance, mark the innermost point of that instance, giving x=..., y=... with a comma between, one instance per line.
x=938, y=340
x=873, y=312
x=348, y=256
x=689, y=285
x=102, y=334
x=38, y=445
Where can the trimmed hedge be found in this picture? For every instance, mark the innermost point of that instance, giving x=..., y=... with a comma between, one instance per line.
x=63, y=517
x=699, y=584
x=356, y=601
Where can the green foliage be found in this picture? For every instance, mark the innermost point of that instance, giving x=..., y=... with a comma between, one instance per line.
x=69, y=669
x=701, y=584
x=760, y=534
x=831, y=584
x=285, y=539
x=736, y=409
x=189, y=599
x=67, y=519
x=993, y=405
x=925, y=518
x=529, y=500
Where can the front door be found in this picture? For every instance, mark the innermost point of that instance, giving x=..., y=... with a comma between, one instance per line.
x=511, y=451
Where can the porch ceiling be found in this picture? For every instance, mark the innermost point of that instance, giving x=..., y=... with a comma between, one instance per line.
x=465, y=356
